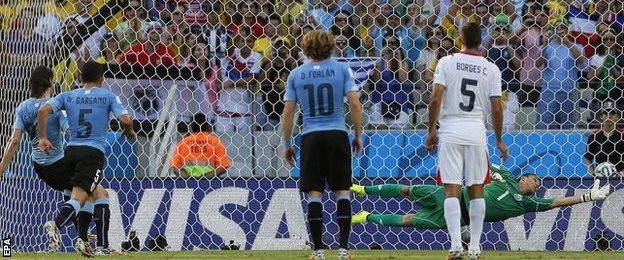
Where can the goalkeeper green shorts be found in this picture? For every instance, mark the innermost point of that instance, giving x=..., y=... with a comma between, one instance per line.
x=431, y=199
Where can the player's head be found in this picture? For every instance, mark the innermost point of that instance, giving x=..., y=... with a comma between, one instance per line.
x=318, y=45
x=200, y=124
x=471, y=35
x=40, y=81
x=92, y=72
x=529, y=183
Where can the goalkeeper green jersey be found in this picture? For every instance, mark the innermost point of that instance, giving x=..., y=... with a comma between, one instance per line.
x=504, y=200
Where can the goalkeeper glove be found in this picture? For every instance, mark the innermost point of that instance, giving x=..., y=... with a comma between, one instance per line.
x=597, y=192
x=497, y=177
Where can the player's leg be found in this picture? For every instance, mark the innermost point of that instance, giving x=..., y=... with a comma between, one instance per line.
x=450, y=165
x=338, y=166
x=476, y=172
x=101, y=215
x=87, y=176
x=423, y=219
x=312, y=183
x=54, y=176
x=383, y=190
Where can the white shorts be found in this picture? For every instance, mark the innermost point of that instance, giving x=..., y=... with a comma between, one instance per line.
x=455, y=159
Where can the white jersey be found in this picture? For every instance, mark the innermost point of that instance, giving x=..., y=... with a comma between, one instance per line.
x=470, y=81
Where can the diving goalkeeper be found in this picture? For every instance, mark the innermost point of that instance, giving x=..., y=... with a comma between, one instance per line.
x=505, y=197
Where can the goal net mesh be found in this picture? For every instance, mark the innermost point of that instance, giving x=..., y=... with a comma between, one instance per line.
x=170, y=61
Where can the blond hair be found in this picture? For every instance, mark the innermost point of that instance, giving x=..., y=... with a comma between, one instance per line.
x=318, y=44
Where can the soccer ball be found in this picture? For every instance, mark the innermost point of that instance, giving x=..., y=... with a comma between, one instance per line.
x=605, y=170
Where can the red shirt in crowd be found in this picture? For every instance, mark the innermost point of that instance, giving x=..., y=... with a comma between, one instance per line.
x=137, y=54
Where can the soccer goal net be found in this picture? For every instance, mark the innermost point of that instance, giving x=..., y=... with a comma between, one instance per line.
x=176, y=63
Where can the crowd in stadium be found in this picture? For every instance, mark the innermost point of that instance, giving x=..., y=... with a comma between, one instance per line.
x=551, y=53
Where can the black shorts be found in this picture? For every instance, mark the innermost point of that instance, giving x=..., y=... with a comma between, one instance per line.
x=87, y=165
x=325, y=157
x=55, y=175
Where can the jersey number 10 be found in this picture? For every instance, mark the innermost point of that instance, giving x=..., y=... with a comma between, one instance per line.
x=468, y=93
x=319, y=103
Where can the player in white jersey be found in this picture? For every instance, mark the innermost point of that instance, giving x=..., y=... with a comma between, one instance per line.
x=466, y=85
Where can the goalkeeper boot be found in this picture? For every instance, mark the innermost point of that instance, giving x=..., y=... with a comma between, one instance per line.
x=318, y=255
x=344, y=254
x=358, y=190
x=53, y=235
x=360, y=218
x=455, y=255
x=84, y=248
x=474, y=254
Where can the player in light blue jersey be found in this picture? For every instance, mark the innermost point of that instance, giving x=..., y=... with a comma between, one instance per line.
x=50, y=166
x=319, y=87
x=88, y=112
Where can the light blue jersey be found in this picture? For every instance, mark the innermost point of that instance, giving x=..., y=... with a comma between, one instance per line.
x=88, y=112
x=319, y=89
x=26, y=121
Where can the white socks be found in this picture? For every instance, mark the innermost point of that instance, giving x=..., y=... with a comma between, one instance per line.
x=477, y=214
x=452, y=215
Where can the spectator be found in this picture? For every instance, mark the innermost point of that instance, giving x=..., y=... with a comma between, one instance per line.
x=447, y=46
x=93, y=43
x=343, y=25
x=151, y=51
x=504, y=56
x=195, y=14
x=583, y=26
x=264, y=44
x=201, y=58
x=415, y=39
x=235, y=98
x=274, y=82
x=178, y=25
x=428, y=11
x=130, y=29
x=459, y=13
x=264, y=10
x=201, y=153
x=245, y=17
x=426, y=56
x=390, y=96
x=529, y=39
x=216, y=35
x=111, y=52
x=562, y=60
x=606, y=144
x=369, y=14
x=160, y=9
x=342, y=48
x=483, y=15
x=603, y=72
x=394, y=27
x=616, y=17
x=49, y=24
x=290, y=10
x=325, y=12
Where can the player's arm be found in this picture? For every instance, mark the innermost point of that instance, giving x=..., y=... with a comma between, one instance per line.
x=351, y=91
x=439, y=86
x=42, y=125
x=290, y=99
x=10, y=150
x=596, y=193
x=496, y=104
x=126, y=121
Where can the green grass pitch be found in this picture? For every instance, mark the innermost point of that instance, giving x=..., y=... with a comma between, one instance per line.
x=357, y=254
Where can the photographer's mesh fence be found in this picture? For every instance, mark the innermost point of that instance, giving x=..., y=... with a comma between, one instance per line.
x=169, y=61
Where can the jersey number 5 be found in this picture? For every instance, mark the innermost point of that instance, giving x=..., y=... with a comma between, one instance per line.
x=469, y=93
x=323, y=109
x=83, y=122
